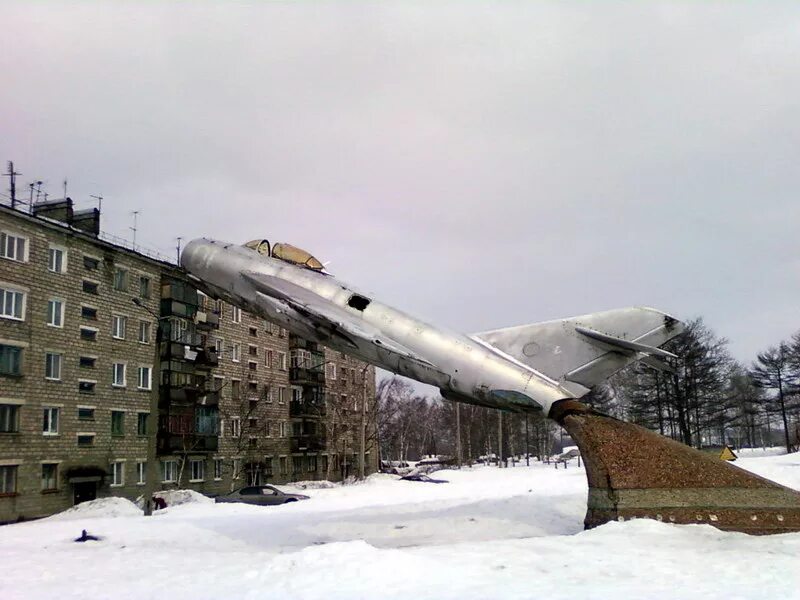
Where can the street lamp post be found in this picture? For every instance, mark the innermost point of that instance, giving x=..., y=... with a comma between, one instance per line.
x=152, y=418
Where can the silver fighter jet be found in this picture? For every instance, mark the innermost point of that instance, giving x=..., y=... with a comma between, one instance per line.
x=527, y=368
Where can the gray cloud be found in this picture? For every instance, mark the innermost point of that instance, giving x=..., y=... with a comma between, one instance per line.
x=481, y=164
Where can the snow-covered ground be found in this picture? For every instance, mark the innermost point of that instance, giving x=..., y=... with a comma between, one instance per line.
x=489, y=533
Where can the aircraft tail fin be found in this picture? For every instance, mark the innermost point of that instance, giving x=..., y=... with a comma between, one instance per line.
x=580, y=352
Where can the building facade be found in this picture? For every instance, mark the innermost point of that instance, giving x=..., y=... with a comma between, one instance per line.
x=93, y=334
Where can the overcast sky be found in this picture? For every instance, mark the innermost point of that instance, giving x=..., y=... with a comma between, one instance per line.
x=478, y=164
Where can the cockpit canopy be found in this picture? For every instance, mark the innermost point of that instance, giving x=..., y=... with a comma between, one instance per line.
x=287, y=253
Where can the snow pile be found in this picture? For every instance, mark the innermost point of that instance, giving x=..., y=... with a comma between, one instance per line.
x=513, y=533
x=312, y=485
x=100, y=508
x=176, y=497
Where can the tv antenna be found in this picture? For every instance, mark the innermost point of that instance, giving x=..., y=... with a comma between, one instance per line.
x=178, y=248
x=12, y=175
x=99, y=199
x=135, y=214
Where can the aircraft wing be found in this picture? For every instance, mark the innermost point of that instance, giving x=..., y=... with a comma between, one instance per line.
x=325, y=315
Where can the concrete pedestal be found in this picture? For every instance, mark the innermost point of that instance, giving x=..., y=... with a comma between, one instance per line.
x=636, y=473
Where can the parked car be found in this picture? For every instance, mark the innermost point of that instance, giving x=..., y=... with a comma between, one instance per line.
x=263, y=495
x=422, y=477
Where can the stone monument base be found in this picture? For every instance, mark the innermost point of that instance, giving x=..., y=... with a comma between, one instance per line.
x=635, y=473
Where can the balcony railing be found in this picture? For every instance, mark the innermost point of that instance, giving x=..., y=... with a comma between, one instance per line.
x=300, y=408
x=303, y=375
x=308, y=443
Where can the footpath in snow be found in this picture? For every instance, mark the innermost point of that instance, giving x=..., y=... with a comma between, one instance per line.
x=488, y=533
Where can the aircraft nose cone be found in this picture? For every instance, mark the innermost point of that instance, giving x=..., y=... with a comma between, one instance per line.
x=192, y=254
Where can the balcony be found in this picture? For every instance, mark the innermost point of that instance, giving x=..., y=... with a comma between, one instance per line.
x=207, y=358
x=298, y=343
x=189, y=432
x=308, y=443
x=301, y=375
x=206, y=320
x=302, y=408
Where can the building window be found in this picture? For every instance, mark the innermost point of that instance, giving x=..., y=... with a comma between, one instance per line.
x=252, y=423
x=117, y=422
x=236, y=389
x=282, y=361
x=284, y=464
x=12, y=304
x=297, y=464
x=91, y=287
x=268, y=393
x=144, y=332
x=169, y=471
x=141, y=423
x=331, y=374
x=90, y=263
x=55, y=312
x=297, y=394
x=52, y=366
x=87, y=362
x=9, y=418
x=121, y=280
x=10, y=360
x=236, y=427
x=268, y=428
x=87, y=387
x=281, y=394
x=85, y=413
x=145, y=378
x=141, y=473
x=118, y=374
x=85, y=439
x=282, y=431
x=118, y=326
x=198, y=468
x=312, y=464
x=252, y=365
x=13, y=247
x=88, y=334
x=50, y=421
x=282, y=332
x=268, y=359
x=117, y=474
x=56, y=260
x=218, y=345
x=252, y=350
x=89, y=312
x=8, y=480
x=236, y=353
x=217, y=469
x=144, y=287
x=236, y=314
x=237, y=468
x=253, y=332
x=49, y=477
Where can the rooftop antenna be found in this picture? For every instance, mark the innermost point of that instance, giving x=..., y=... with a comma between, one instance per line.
x=12, y=175
x=38, y=190
x=135, y=214
x=178, y=248
x=65, y=188
x=99, y=199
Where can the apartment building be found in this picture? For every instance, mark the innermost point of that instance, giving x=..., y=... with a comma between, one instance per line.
x=92, y=332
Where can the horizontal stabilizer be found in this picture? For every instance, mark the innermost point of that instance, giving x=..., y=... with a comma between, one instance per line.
x=580, y=352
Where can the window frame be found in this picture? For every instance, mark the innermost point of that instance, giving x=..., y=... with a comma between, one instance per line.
x=46, y=481
x=149, y=384
x=7, y=234
x=52, y=249
x=117, y=418
x=13, y=290
x=51, y=417
x=48, y=363
x=19, y=362
x=201, y=464
x=114, y=381
x=10, y=419
x=169, y=468
x=119, y=327
x=115, y=465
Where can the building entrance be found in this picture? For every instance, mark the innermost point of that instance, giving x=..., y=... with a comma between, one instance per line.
x=84, y=491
